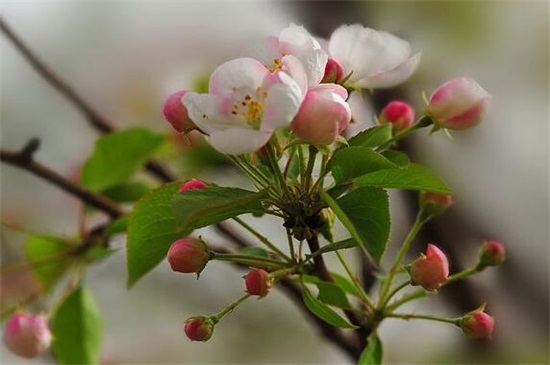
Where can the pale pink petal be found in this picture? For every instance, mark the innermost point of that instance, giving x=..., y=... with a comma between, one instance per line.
x=236, y=141
x=457, y=96
x=282, y=103
x=294, y=68
x=392, y=77
x=207, y=111
x=265, y=51
x=237, y=75
x=333, y=88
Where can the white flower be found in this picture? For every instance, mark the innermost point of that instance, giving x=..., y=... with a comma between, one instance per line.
x=374, y=59
x=294, y=44
x=245, y=104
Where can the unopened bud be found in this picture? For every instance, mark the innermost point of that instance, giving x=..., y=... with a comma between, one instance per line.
x=435, y=203
x=399, y=114
x=458, y=104
x=188, y=255
x=333, y=72
x=199, y=328
x=192, y=184
x=258, y=282
x=431, y=270
x=478, y=324
x=176, y=113
x=491, y=253
x=27, y=335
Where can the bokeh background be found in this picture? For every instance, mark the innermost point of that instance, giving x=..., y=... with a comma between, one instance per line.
x=126, y=57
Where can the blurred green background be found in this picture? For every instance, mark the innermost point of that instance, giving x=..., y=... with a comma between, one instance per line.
x=127, y=57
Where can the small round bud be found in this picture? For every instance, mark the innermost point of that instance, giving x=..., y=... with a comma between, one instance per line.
x=27, y=335
x=478, y=324
x=333, y=72
x=491, y=253
x=399, y=114
x=199, y=328
x=176, y=113
x=458, y=104
x=435, y=203
x=188, y=255
x=431, y=270
x=258, y=282
x=192, y=184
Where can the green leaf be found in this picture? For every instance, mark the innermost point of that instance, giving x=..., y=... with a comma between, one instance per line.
x=151, y=231
x=351, y=162
x=398, y=158
x=124, y=193
x=368, y=211
x=372, y=137
x=77, y=330
x=345, y=284
x=202, y=207
x=335, y=246
x=117, y=156
x=414, y=177
x=98, y=253
x=372, y=354
x=323, y=311
x=332, y=294
x=254, y=251
x=50, y=257
x=119, y=225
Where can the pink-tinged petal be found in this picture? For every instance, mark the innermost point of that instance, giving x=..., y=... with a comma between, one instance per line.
x=237, y=75
x=282, y=103
x=266, y=51
x=392, y=77
x=236, y=141
x=333, y=88
x=294, y=68
x=206, y=110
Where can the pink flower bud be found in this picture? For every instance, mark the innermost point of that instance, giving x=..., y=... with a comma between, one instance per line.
x=478, y=324
x=188, y=255
x=399, y=114
x=192, y=184
x=458, y=104
x=199, y=328
x=435, y=203
x=258, y=282
x=323, y=115
x=176, y=114
x=333, y=72
x=27, y=335
x=430, y=270
x=492, y=253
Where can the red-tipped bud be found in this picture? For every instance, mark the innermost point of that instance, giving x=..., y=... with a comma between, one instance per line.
x=333, y=72
x=458, y=104
x=192, y=184
x=27, y=335
x=478, y=324
x=258, y=282
x=188, y=255
x=491, y=253
x=435, y=203
x=176, y=113
x=399, y=114
x=431, y=270
x=199, y=328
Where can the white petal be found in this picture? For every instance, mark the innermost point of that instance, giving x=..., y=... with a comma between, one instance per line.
x=236, y=141
x=294, y=68
x=333, y=88
x=238, y=74
x=205, y=110
x=392, y=77
x=282, y=103
x=265, y=51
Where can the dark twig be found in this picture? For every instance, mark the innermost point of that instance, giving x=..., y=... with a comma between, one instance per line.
x=24, y=160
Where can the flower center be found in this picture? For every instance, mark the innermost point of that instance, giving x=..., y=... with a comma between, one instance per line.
x=250, y=108
x=276, y=65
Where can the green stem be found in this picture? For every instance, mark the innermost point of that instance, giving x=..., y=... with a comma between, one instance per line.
x=423, y=121
x=428, y=317
x=217, y=317
x=276, y=170
x=35, y=263
x=262, y=238
x=368, y=301
x=289, y=162
x=248, y=260
x=260, y=185
x=418, y=223
x=395, y=291
x=462, y=274
x=407, y=298
x=319, y=183
x=302, y=164
x=310, y=165
x=290, y=245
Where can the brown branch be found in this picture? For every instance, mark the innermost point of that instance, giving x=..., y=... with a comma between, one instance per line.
x=23, y=159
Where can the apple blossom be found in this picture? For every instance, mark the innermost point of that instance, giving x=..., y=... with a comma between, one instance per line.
x=27, y=335
x=491, y=253
x=176, y=114
x=198, y=328
x=245, y=104
x=323, y=115
x=294, y=43
x=258, y=282
x=188, y=255
x=478, y=324
x=191, y=184
x=431, y=270
x=399, y=114
x=435, y=203
x=370, y=58
x=458, y=104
